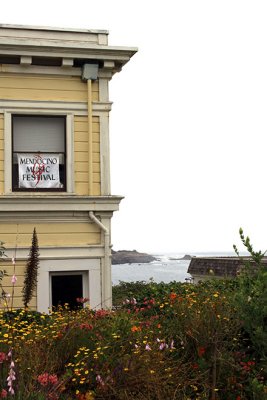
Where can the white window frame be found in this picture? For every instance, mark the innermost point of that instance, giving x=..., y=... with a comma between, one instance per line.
x=8, y=149
x=93, y=277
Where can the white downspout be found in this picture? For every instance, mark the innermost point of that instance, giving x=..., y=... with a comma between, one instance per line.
x=106, y=297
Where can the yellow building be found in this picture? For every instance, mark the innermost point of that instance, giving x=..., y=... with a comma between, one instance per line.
x=54, y=160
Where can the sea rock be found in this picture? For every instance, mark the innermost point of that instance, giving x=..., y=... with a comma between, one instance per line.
x=130, y=257
x=185, y=257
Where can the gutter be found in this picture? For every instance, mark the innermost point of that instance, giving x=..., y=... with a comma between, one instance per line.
x=106, y=297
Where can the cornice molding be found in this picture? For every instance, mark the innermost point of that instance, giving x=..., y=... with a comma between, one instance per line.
x=61, y=202
x=64, y=107
x=91, y=53
x=87, y=46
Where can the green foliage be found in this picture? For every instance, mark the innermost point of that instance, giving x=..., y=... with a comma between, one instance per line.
x=2, y=250
x=30, y=280
x=251, y=299
x=2, y=255
x=2, y=272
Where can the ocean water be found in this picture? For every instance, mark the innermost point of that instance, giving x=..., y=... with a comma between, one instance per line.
x=166, y=269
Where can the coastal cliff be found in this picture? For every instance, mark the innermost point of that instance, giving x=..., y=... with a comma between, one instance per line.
x=130, y=257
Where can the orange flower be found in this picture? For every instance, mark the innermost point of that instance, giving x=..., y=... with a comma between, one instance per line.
x=136, y=328
x=173, y=296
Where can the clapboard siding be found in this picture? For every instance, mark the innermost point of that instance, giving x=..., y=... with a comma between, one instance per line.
x=45, y=88
x=50, y=234
x=81, y=155
x=8, y=287
x=1, y=153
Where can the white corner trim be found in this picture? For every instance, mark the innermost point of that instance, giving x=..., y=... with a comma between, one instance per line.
x=7, y=152
x=70, y=153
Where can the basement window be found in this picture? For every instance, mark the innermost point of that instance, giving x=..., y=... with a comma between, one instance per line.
x=38, y=153
x=67, y=288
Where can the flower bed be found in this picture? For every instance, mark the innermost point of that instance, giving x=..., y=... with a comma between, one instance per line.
x=166, y=341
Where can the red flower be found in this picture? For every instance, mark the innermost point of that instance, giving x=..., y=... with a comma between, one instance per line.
x=101, y=313
x=201, y=351
x=45, y=379
x=86, y=326
x=3, y=394
x=2, y=357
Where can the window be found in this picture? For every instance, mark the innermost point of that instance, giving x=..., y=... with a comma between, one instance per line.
x=66, y=288
x=38, y=153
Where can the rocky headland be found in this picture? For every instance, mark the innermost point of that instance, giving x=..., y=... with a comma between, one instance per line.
x=131, y=257
x=185, y=257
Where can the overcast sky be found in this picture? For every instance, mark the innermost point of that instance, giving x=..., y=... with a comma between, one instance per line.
x=189, y=120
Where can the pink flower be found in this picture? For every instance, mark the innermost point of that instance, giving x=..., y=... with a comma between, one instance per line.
x=13, y=279
x=100, y=380
x=82, y=300
x=148, y=348
x=11, y=375
x=162, y=346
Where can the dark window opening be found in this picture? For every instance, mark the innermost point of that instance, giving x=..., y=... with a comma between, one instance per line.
x=47, y=61
x=9, y=60
x=66, y=289
x=79, y=62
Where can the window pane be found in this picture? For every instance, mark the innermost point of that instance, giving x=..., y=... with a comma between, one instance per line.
x=38, y=134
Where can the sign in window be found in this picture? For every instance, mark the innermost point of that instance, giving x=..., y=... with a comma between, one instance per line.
x=39, y=171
